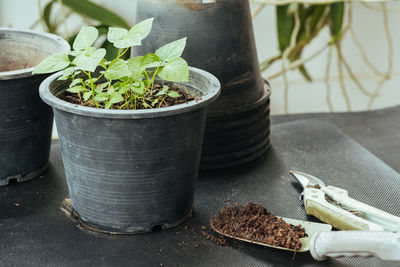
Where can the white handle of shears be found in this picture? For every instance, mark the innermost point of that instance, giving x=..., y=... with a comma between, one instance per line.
x=316, y=205
x=388, y=221
x=384, y=245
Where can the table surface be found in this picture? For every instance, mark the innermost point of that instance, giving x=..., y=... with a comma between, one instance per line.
x=34, y=230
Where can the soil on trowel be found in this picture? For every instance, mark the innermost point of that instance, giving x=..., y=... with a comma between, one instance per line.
x=150, y=97
x=253, y=222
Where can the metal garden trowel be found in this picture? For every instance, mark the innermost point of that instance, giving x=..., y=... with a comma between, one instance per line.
x=322, y=243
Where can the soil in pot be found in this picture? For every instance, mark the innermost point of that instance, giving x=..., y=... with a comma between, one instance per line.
x=184, y=97
x=253, y=222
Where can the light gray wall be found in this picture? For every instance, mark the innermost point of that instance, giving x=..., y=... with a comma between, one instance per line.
x=303, y=96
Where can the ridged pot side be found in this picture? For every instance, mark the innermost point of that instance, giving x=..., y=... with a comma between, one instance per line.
x=25, y=121
x=128, y=172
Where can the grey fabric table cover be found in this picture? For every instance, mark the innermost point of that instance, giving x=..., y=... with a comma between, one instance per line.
x=34, y=231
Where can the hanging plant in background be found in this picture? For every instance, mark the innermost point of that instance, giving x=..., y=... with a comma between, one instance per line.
x=299, y=23
x=53, y=17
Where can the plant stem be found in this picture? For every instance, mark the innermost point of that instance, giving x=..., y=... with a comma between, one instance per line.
x=328, y=86
x=91, y=86
x=364, y=54
x=350, y=71
x=298, y=63
x=268, y=62
x=285, y=55
x=390, y=57
x=342, y=86
x=258, y=10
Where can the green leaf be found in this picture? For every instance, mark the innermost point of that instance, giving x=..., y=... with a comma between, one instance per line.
x=163, y=91
x=171, y=50
x=141, y=30
x=100, y=87
x=85, y=38
x=124, y=89
x=285, y=26
x=76, y=53
x=116, y=97
x=52, y=63
x=77, y=89
x=150, y=60
x=119, y=37
x=46, y=17
x=108, y=105
x=135, y=67
x=96, y=12
x=90, y=61
x=176, y=70
x=336, y=14
x=138, y=90
x=75, y=82
x=117, y=69
x=155, y=101
x=67, y=73
x=112, y=51
x=101, y=97
x=115, y=34
x=316, y=16
x=87, y=95
x=173, y=94
x=305, y=73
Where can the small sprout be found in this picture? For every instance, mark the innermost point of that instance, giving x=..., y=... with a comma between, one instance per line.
x=173, y=94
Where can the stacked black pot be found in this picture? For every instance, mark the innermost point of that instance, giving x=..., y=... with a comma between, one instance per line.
x=221, y=41
x=25, y=121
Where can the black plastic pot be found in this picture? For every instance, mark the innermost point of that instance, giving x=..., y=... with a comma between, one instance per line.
x=220, y=40
x=132, y=171
x=25, y=121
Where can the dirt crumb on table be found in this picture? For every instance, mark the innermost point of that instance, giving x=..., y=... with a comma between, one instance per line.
x=253, y=222
x=216, y=240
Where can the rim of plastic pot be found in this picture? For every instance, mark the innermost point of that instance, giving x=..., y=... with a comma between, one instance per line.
x=214, y=89
x=63, y=46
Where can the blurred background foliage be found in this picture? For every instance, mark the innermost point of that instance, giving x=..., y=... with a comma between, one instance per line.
x=298, y=24
x=55, y=13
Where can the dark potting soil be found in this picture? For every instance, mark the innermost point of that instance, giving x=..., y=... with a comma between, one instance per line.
x=253, y=222
x=166, y=102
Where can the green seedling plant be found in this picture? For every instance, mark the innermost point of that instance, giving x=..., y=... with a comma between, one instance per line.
x=125, y=83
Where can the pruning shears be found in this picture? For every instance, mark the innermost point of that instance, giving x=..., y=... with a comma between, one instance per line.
x=332, y=205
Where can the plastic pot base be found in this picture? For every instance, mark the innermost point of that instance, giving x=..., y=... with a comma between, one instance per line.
x=251, y=124
x=113, y=231
x=25, y=177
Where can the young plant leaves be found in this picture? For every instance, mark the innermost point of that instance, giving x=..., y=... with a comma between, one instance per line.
x=101, y=97
x=77, y=89
x=52, y=63
x=117, y=69
x=135, y=67
x=89, y=61
x=87, y=95
x=116, y=97
x=173, y=94
x=141, y=30
x=122, y=38
x=85, y=38
x=150, y=60
x=119, y=37
x=176, y=70
x=171, y=50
